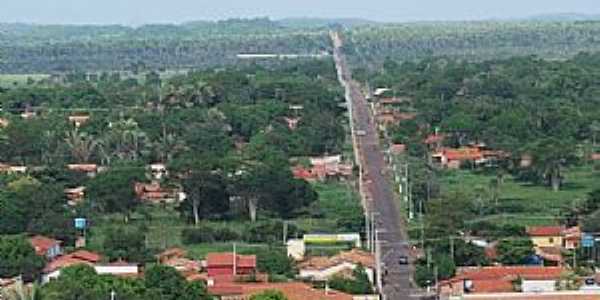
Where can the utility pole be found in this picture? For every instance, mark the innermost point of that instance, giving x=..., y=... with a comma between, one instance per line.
x=378, y=262
x=452, y=248
x=285, y=231
x=234, y=260
x=368, y=231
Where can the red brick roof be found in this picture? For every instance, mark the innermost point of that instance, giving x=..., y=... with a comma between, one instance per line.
x=292, y=291
x=63, y=262
x=83, y=167
x=502, y=272
x=226, y=259
x=42, y=244
x=87, y=256
x=499, y=279
x=545, y=230
x=462, y=154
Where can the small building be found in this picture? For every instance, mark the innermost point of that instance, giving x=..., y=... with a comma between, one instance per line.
x=454, y=158
x=81, y=257
x=89, y=169
x=4, y=122
x=546, y=236
x=75, y=195
x=6, y=168
x=500, y=279
x=154, y=193
x=229, y=264
x=46, y=247
x=292, y=123
x=158, y=171
x=571, y=238
x=79, y=120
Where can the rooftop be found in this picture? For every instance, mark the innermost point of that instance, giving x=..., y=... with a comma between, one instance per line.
x=42, y=244
x=226, y=259
x=545, y=231
x=292, y=291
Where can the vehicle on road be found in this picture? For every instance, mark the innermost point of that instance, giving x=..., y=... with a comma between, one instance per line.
x=403, y=260
x=361, y=133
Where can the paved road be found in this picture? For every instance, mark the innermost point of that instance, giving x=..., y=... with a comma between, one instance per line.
x=388, y=220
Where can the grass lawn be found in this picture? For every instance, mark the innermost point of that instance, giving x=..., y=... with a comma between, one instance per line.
x=163, y=227
x=9, y=80
x=521, y=202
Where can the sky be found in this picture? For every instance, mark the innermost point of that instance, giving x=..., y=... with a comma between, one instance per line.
x=136, y=12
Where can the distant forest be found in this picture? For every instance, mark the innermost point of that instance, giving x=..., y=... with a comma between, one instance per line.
x=69, y=48
x=27, y=49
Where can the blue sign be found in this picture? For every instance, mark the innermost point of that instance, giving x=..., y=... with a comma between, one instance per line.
x=587, y=240
x=80, y=223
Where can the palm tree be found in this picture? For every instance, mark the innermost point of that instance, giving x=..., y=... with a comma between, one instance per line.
x=81, y=145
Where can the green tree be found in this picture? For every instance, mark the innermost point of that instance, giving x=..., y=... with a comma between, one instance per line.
x=125, y=243
x=514, y=251
x=113, y=191
x=169, y=284
x=207, y=195
x=358, y=285
x=269, y=295
x=17, y=257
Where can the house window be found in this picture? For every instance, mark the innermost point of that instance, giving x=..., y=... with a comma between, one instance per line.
x=551, y=240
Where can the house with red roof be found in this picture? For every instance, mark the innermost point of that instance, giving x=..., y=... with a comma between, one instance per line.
x=46, y=247
x=323, y=168
x=501, y=279
x=218, y=264
x=546, y=235
x=84, y=257
x=291, y=290
x=155, y=193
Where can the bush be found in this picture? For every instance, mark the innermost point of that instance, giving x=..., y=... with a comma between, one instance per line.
x=197, y=235
x=209, y=234
x=269, y=231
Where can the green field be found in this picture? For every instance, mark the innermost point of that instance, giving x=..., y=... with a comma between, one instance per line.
x=337, y=204
x=12, y=80
x=521, y=202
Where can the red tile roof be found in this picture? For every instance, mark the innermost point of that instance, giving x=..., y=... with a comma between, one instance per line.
x=63, y=262
x=292, y=291
x=462, y=154
x=492, y=286
x=501, y=272
x=226, y=259
x=42, y=244
x=86, y=255
x=545, y=230
x=499, y=279
x=83, y=167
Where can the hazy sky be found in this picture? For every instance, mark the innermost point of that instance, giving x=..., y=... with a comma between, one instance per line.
x=176, y=11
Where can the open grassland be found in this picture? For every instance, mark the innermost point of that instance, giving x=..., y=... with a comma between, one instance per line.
x=522, y=202
x=19, y=80
x=337, y=208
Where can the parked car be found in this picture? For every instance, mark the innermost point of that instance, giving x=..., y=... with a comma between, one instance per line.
x=403, y=260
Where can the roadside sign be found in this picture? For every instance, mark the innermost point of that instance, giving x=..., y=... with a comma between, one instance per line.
x=80, y=223
x=587, y=240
